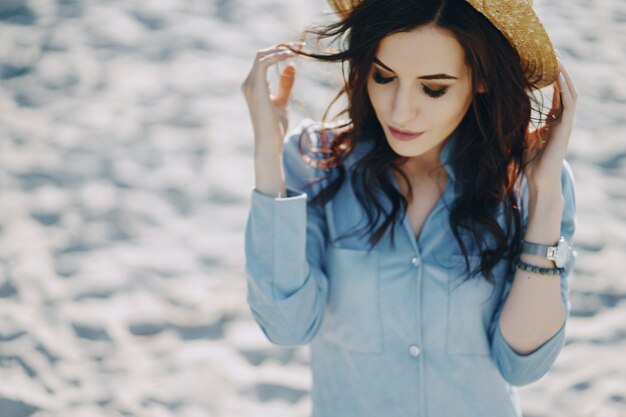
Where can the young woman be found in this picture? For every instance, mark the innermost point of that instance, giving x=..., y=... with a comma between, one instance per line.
x=457, y=288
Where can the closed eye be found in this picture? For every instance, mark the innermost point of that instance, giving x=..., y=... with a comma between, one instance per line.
x=434, y=93
x=378, y=78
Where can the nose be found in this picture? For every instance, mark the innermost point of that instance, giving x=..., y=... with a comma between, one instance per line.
x=404, y=108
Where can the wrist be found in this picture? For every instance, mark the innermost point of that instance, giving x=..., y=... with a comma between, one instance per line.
x=544, y=221
x=545, y=203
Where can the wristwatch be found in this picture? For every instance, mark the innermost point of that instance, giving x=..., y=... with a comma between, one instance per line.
x=559, y=252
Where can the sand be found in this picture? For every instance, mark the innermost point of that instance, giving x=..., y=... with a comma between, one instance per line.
x=125, y=176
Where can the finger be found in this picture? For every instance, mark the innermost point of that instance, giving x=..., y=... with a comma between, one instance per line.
x=278, y=47
x=258, y=73
x=265, y=58
x=566, y=95
x=568, y=79
x=285, y=84
x=293, y=44
x=556, y=100
x=268, y=60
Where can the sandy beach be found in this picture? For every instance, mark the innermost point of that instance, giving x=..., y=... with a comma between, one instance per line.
x=126, y=169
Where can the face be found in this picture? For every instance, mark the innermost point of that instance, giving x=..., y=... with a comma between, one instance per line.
x=419, y=82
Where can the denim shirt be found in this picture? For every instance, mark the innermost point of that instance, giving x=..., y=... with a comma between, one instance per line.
x=392, y=332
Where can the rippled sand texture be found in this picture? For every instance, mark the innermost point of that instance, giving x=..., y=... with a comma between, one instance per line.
x=125, y=175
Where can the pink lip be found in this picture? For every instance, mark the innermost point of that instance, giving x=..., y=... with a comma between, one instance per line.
x=403, y=134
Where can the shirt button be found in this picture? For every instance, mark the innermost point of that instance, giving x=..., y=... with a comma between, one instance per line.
x=415, y=260
x=414, y=350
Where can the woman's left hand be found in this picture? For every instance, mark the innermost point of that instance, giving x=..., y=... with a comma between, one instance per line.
x=543, y=173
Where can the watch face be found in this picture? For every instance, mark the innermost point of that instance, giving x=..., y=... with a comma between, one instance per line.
x=562, y=253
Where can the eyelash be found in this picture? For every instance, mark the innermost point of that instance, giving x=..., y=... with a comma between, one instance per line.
x=432, y=93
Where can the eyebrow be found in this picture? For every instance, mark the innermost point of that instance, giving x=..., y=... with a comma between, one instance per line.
x=423, y=77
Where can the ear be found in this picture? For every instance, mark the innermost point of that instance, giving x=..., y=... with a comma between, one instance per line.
x=482, y=87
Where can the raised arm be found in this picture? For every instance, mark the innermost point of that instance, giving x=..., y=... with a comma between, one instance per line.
x=285, y=247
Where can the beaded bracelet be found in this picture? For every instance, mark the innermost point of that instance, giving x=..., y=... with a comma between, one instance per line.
x=537, y=269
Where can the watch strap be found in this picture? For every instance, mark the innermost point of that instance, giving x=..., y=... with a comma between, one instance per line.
x=536, y=249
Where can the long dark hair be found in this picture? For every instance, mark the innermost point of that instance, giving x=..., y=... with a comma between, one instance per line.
x=496, y=143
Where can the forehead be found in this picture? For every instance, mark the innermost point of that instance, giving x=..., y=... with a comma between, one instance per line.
x=425, y=50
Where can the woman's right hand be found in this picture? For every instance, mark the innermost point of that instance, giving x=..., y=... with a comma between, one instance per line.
x=268, y=112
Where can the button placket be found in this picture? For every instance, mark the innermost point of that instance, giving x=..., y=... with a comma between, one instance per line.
x=414, y=350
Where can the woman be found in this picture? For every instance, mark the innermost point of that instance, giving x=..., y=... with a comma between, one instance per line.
x=457, y=290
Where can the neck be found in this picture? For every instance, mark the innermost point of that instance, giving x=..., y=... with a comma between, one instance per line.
x=424, y=167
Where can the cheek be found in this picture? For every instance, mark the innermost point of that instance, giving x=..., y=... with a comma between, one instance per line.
x=452, y=109
x=376, y=95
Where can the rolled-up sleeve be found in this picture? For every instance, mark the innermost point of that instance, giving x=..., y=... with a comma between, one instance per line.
x=521, y=369
x=284, y=247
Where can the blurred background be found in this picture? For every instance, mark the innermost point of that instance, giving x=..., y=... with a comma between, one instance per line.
x=126, y=171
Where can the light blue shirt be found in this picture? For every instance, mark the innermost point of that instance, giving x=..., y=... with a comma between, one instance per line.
x=391, y=332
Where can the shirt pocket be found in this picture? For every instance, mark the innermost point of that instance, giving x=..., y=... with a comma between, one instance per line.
x=352, y=318
x=470, y=307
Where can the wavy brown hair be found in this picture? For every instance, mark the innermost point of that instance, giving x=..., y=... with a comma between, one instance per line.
x=497, y=140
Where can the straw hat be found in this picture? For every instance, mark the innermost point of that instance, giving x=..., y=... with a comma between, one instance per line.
x=518, y=22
